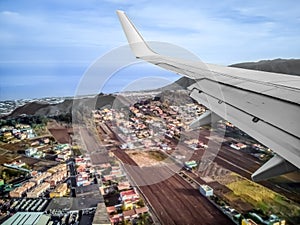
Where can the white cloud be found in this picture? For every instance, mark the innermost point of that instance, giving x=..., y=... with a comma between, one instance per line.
x=9, y=13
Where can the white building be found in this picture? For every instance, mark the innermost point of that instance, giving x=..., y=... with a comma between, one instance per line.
x=206, y=190
x=30, y=152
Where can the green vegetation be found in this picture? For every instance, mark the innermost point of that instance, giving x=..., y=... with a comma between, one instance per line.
x=140, y=203
x=76, y=150
x=218, y=200
x=8, y=174
x=66, y=118
x=262, y=198
x=29, y=119
x=144, y=219
x=26, y=167
x=157, y=155
x=40, y=129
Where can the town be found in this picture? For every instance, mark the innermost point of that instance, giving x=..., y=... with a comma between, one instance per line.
x=51, y=175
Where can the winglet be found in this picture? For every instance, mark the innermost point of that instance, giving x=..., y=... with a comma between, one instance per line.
x=135, y=39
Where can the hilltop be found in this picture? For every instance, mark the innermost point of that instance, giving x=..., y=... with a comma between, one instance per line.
x=38, y=108
x=286, y=66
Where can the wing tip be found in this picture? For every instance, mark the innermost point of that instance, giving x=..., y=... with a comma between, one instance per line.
x=276, y=166
x=119, y=11
x=134, y=38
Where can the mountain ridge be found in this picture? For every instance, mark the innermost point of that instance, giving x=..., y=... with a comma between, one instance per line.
x=285, y=66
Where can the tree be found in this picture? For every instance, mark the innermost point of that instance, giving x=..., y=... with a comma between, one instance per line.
x=144, y=219
x=140, y=203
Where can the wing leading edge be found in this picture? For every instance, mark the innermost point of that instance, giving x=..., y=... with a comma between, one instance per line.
x=264, y=105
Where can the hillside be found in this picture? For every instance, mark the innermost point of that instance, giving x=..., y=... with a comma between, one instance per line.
x=39, y=108
x=286, y=66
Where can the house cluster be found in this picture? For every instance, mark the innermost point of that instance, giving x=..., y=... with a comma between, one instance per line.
x=149, y=122
x=33, y=152
x=41, y=182
x=17, y=164
x=84, y=171
x=123, y=202
x=255, y=219
x=12, y=134
x=41, y=148
x=63, y=151
x=195, y=144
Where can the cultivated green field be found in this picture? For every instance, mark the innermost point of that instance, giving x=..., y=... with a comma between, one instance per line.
x=262, y=198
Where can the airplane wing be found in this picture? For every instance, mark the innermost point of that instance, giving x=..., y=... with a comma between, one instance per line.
x=264, y=105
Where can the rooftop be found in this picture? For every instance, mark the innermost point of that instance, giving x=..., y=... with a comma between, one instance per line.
x=206, y=187
x=68, y=203
x=27, y=218
x=129, y=213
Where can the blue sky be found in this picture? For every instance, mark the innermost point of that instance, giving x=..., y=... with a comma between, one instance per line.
x=46, y=46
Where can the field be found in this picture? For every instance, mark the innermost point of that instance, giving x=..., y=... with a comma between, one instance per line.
x=261, y=197
x=60, y=132
x=147, y=158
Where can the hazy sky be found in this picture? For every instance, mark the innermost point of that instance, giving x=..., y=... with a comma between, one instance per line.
x=46, y=46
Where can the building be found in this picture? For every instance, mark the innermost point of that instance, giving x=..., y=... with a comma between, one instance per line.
x=38, y=191
x=28, y=185
x=238, y=146
x=129, y=198
x=141, y=210
x=129, y=195
x=206, y=190
x=40, y=178
x=59, y=191
x=20, y=191
x=275, y=220
x=111, y=209
x=122, y=186
x=59, y=167
x=248, y=222
x=82, y=179
x=56, y=178
x=15, y=165
x=190, y=164
x=30, y=152
x=63, y=156
x=26, y=218
x=129, y=214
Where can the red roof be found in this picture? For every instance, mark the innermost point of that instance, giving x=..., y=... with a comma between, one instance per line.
x=141, y=210
x=129, y=213
x=129, y=192
x=110, y=209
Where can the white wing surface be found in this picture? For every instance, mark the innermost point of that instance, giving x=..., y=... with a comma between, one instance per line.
x=265, y=105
